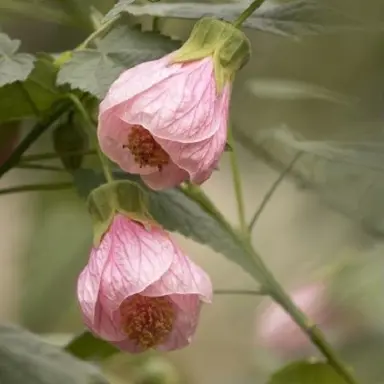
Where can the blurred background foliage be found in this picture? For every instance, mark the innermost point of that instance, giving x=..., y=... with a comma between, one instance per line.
x=318, y=94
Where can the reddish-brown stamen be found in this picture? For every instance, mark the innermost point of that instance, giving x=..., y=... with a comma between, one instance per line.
x=144, y=148
x=147, y=320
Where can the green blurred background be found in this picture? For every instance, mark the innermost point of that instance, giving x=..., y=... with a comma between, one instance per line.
x=330, y=209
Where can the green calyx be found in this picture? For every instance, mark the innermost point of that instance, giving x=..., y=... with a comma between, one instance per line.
x=122, y=197
x=228, y=46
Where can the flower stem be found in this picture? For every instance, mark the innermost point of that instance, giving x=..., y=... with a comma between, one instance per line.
x=271, y=191
x=273, y=288
x=45, y=123
x=313, y=332
x=65, y=56
x=91, y=130
x=41, y=167
x=54, y=155
x=103, y=28
x=237, y=182
x=248, y=12
x=28, y=98
x=36, y=188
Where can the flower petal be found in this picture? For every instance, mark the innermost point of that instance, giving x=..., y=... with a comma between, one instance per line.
x=187, y=285
x=183, y=277
x=139, y=257
x=200, y=159
x=170, y=176
x=136, y=80
x=184, y=327
x=89, y=281
x=181, y=107
x=105, y=326
x=113, y=134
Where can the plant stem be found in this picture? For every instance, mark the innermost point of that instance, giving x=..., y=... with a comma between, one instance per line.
x=271, y=191
x=270, y=285
x=313, y=332
x=43, y=125
x=92, y=133
x=248, y=292
x=36, y=188
x=248, y=12
x=66, y=56
x=41, y=167
x=237, y=182
x=103, y=28
x=29, y=99
x=54, y=155
x=32, y=136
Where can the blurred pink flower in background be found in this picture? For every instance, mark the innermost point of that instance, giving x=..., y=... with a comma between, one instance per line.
x=166, y=121
x=140, y=291
x=277, y=331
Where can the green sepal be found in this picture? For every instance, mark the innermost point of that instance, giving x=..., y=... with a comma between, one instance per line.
x=120, y=196
x=229, y=47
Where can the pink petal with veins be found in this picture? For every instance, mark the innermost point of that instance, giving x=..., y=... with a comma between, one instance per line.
x=134, y=262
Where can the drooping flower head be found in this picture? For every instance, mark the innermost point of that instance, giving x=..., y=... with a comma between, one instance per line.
x=139, y=290
x=167, y=119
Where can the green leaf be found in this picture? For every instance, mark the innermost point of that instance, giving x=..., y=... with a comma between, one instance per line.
x=358, y=285
x=27, y=359
x=35, y=95
x=94, y=70
x=69, y=136
x=86, y=346
x=45, y=11
x=185, y=212
x=303, y=17
x=282, y=89
x=297, y=17
x=117, y=9
x=13, y=66
x=79, y=11
x=344, y=173
x=304, y=372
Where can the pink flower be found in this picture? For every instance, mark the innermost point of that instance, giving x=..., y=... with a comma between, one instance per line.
x=166, y=121
x=140, y=291
x=279, y=332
